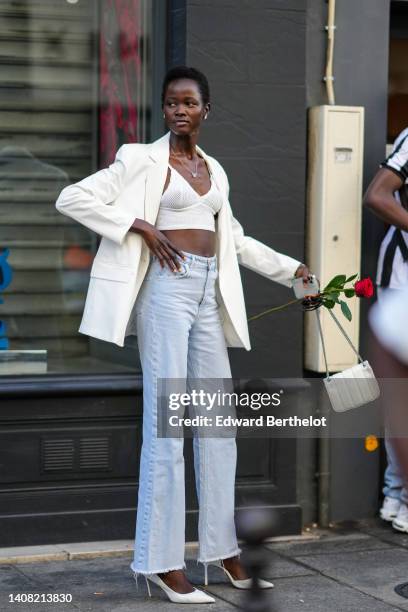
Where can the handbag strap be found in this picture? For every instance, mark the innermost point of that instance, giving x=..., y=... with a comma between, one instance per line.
x=319, y=325
x=343, y=331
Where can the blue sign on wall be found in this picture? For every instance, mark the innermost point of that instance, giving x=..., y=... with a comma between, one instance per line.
x=6, y=275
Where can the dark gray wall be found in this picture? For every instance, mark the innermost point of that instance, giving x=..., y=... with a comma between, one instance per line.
x=254, y=56
x=361, y=79
x=176, y=32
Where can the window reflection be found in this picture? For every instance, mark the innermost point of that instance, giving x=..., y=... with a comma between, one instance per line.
x=74, y=87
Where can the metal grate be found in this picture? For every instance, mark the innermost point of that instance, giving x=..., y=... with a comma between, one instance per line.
x=58, y=454
x=76, y=454
x=94, y=453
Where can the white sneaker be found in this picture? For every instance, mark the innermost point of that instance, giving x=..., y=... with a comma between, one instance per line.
x=400, y=523
x=390, y=508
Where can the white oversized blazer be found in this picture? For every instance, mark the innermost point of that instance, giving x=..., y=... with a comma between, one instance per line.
x=109, y=201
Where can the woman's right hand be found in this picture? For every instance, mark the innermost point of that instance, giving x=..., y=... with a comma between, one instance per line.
x=159, y=244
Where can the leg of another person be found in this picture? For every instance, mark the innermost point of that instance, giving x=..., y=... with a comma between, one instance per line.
x=393, y=480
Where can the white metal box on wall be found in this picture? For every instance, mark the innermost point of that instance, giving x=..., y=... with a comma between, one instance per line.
x=333, y=236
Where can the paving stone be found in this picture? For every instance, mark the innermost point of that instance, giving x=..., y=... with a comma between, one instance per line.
x=330, y=545
x=374, y=572
x=277, y=567
x=309, y=594
x=160, y=602
x=139, y=603
x=386, y=533
x=83, y=575
x=14, y=581
x=103, y=584
x=38, y=607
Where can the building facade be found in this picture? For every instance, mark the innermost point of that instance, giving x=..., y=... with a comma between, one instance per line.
x=81, y=78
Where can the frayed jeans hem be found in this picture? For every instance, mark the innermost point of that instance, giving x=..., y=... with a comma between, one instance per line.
x=235, y=553
x=158, y=571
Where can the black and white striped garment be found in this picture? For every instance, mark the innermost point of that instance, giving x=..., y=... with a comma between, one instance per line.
x=398, y=160
x=392, y=267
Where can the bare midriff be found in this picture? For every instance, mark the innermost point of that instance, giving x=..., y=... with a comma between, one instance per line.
x=197, y=241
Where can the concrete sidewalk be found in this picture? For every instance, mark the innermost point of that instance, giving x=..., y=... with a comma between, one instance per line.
x=345, y=569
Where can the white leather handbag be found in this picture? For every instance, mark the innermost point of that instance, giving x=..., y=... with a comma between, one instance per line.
x=352, y=387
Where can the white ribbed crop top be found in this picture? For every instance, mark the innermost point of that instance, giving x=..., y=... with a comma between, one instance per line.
x=181, y=207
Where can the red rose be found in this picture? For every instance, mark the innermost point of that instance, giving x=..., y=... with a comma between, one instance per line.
x=364, y=288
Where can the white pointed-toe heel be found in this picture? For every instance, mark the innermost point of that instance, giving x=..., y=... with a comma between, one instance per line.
x=238, y=584
x=195, y=597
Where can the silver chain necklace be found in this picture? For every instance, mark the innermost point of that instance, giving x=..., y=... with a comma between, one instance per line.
x=193, y=174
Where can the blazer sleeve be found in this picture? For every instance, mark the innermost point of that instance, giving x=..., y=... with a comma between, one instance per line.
x=258, y=256
x=91, y=201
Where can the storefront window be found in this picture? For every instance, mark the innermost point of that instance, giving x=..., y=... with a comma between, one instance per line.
x=76, y=83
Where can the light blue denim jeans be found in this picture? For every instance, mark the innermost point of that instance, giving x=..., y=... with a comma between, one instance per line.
x=180, y=336
x=394, y=485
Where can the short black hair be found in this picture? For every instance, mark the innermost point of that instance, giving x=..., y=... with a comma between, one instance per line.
x=187, y=72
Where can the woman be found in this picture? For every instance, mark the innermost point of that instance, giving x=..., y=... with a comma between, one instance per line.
x=189, y=308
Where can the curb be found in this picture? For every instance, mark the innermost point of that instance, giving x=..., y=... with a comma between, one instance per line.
x=94, y=550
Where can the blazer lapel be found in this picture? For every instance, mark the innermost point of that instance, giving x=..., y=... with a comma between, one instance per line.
x=216, y=180
x=156, y=177
x=221, y=220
